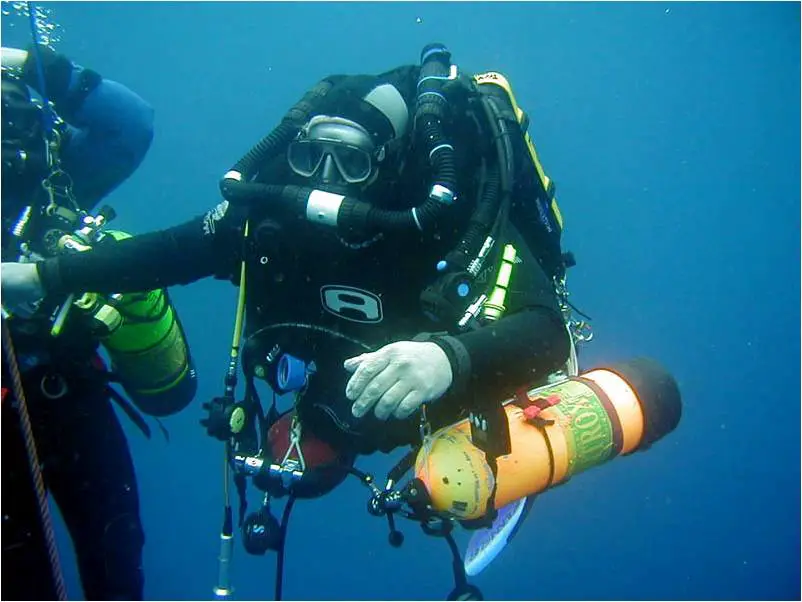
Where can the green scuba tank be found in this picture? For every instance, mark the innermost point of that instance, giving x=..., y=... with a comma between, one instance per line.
x=147, y=346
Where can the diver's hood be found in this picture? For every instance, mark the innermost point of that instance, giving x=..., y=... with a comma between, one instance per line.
x=374, y=104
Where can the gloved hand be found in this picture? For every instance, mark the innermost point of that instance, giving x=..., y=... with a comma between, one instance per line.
x=20, y=285
x=397, y=379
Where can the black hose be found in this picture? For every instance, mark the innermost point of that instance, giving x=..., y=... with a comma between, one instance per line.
x=480, y=224
x=505, y=154
x=265, y=148
x=275, y=141
x=354, y=216
x=246, y=193
x=442, y=160
x=285, y=519
x=431, y=110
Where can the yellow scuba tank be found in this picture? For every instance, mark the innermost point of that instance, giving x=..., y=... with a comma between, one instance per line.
x=146, y=345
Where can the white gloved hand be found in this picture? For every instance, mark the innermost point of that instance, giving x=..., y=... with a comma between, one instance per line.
x=20, y=285
x=397, y=379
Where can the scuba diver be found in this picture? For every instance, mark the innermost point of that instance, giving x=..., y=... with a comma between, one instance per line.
x=397, y=248
x=69, y=138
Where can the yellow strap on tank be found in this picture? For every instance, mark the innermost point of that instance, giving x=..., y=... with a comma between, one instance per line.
x=493, y=77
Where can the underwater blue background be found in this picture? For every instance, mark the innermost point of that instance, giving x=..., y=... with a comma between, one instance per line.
x=672, y=132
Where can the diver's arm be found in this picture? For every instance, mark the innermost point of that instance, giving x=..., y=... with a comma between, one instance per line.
x=178, y=255
x=526, y=344
x=496, y=360
x=109, y=127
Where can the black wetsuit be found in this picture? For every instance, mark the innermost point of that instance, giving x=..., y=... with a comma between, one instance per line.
x=87, y=468
x=84, y=455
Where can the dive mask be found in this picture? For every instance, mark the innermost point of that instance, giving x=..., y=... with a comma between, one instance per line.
x=332, y=149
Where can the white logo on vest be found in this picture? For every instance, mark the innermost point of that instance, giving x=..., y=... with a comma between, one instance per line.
x=353, y=304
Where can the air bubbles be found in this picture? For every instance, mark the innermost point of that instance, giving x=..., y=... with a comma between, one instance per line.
x=47, y=30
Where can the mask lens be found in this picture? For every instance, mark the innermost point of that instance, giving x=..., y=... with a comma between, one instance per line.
x=354, y=163
x=305, y=157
